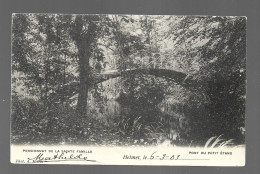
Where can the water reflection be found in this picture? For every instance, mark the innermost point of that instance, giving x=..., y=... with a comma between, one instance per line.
x=140, y=111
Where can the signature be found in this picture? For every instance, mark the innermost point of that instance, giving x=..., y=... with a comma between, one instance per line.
x=41, y=157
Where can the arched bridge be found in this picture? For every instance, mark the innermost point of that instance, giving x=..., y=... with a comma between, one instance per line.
x=178, y=77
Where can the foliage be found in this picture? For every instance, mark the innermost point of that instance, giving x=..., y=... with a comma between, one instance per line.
x=217, y=142
x=56, y=57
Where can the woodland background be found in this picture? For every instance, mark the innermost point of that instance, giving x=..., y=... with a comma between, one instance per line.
x=55, y=58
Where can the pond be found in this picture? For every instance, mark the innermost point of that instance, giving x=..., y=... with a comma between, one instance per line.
x=141, y=110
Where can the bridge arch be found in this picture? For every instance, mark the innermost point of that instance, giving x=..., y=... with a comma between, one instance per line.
x=178, y=77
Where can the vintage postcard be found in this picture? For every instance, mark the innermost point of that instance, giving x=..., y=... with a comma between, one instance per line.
x=128, y=90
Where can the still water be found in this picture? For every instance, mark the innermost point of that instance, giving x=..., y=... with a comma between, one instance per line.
x=141, y=109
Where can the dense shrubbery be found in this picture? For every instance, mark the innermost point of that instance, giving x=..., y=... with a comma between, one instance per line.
x=33, y=123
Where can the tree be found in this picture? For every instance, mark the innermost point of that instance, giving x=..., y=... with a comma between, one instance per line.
x=214, y=51
x=84, y=35
x=47, y=54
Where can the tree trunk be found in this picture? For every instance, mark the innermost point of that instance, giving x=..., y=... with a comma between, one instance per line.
x=83, y=41
x=84, y=54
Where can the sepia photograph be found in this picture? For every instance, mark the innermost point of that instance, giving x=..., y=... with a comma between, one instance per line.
x=108, y=81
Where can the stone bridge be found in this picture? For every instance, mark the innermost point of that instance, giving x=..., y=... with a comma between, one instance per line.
x=178, y=77
x=171, y=75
